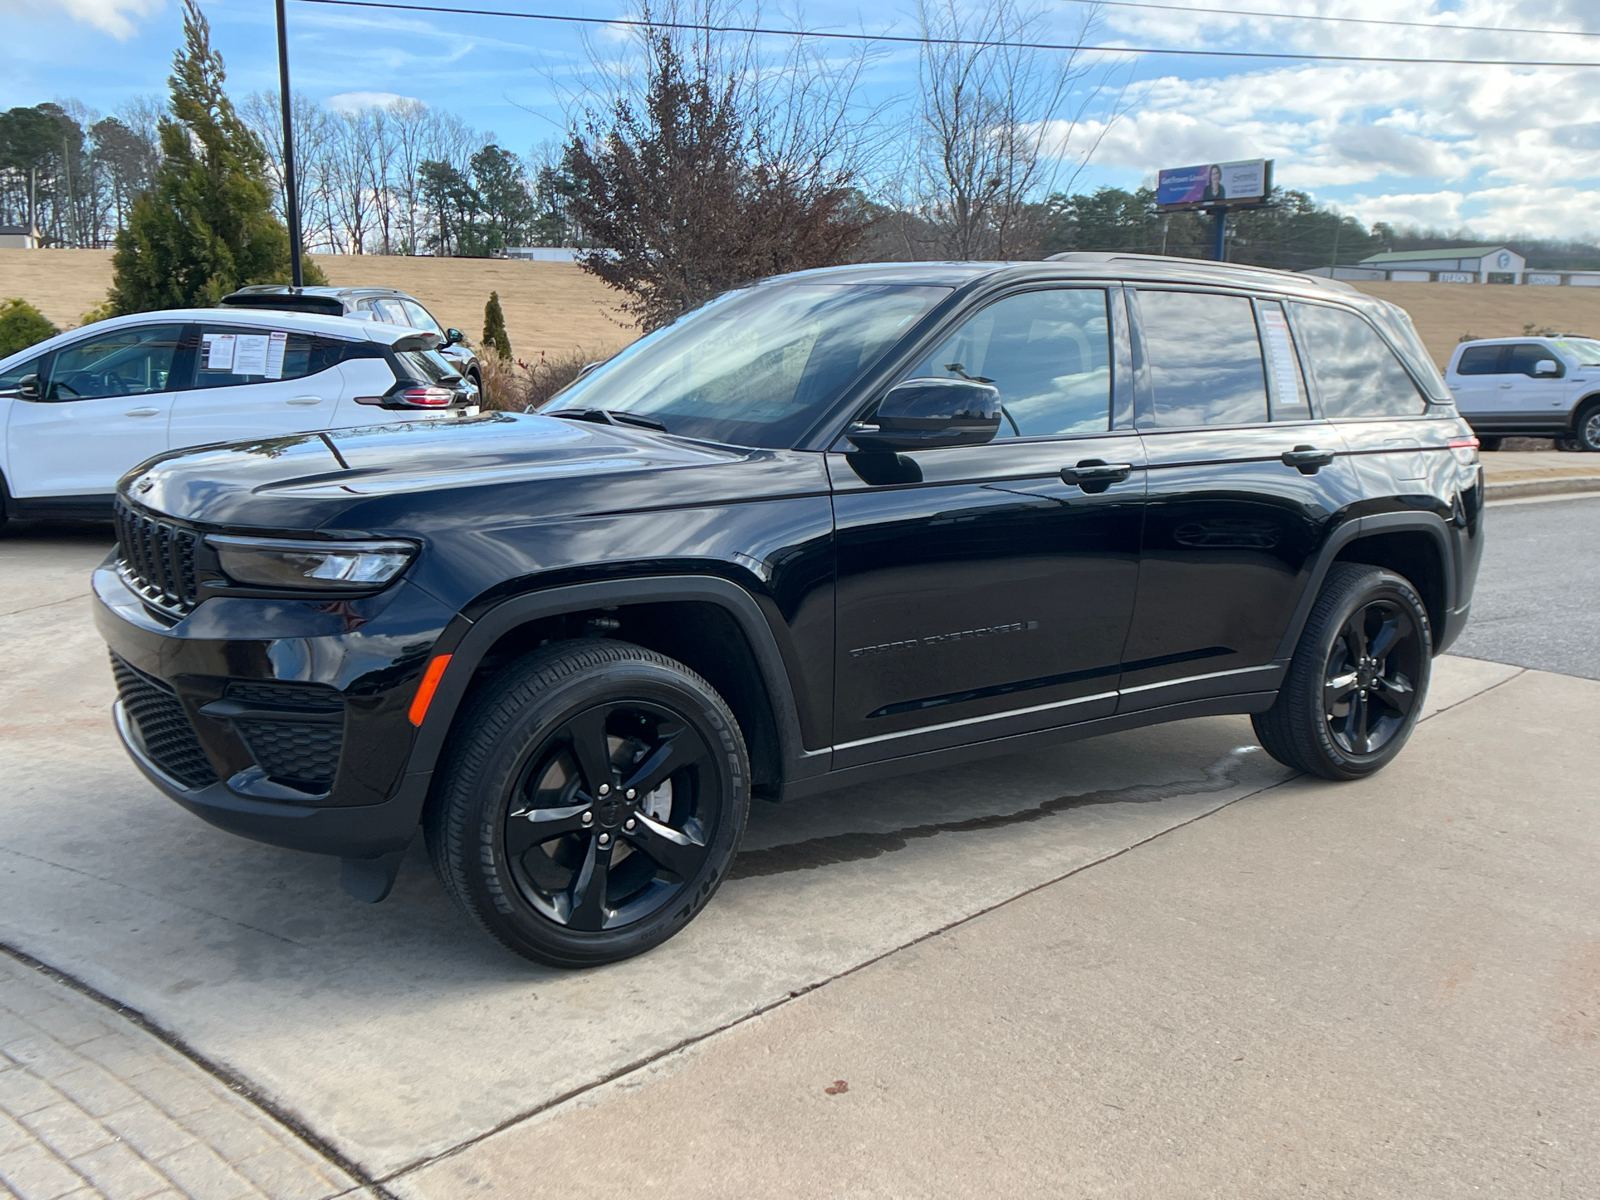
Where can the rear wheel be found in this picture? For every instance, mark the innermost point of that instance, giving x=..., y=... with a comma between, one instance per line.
x=592, y=805
x=1359, y=676
x=1488, y=443
x=1586, y=429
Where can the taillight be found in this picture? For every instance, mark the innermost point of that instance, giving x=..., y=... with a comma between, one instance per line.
x=1465, y=449
x=435, y=397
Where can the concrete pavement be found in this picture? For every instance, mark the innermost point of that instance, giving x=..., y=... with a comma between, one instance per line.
x=405, y=1041
x=1382, y=989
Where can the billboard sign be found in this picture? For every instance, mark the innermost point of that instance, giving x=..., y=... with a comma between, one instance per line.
x=1215, y=185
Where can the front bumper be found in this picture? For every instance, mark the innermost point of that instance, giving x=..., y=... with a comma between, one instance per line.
x=181, y=684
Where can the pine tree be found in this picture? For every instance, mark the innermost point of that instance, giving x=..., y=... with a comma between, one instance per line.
x=494, y=327
x=206, y=225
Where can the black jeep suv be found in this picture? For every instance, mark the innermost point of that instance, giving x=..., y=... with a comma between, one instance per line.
x=836, y=526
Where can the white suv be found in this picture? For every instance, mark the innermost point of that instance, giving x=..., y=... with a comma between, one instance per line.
x=1529, y=387
x=81, y=409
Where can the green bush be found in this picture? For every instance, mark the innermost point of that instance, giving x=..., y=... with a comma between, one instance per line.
x=494, y=327
x=21, y=325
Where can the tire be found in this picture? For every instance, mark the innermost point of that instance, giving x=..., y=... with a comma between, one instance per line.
x=1568, y=444
x=1586, y=428
x=1304, y=728
x=1489, y=443
x=641, y=779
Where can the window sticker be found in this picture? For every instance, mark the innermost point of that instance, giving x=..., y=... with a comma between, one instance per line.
x=219, y=352
x=250, y=354
x=1282, y=355
x=277, y=344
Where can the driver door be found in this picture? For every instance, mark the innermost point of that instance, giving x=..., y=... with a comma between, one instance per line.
x=103, y=409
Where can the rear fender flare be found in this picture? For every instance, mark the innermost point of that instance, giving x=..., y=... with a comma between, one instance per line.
x=1420, y=522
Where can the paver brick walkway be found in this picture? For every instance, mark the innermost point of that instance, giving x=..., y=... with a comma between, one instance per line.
x=92, y=1105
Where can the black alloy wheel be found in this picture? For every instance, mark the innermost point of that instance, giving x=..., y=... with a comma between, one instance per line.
x=590, y=802
x=1356, y=685
x=609, y=819
x=1368, y=685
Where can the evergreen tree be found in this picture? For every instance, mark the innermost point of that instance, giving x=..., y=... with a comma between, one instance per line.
x=22, y=325
x=494, y=327
x=206, y=225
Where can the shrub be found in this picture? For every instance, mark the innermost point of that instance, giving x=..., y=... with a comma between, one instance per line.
x=21, y=326
x=494, y=328
x=98, y=313
x=511, y=386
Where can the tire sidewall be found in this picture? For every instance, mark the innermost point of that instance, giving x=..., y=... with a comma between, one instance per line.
x=1580, y=428
x=1379, y=585
x=490, y=883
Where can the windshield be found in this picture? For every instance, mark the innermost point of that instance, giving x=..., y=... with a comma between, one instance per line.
x=757, y=366
x=1585, y=350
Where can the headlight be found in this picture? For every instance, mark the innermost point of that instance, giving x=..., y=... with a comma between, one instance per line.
x=311, y=566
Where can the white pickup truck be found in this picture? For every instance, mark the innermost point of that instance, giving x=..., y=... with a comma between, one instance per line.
x=1529, y=387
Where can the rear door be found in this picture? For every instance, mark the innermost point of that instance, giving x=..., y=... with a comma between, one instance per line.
x=104, y=409
x=978, y=594
x=1360, y=384
x=1475, y=381
x=1231, y=529
x=257, y=382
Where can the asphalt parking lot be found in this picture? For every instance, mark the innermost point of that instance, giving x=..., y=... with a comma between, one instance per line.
x=1408, y=966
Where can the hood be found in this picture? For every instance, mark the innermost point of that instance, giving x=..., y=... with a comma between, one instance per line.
x=309, y=480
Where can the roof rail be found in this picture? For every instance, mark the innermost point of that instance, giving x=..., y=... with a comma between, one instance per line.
x=1105, y=256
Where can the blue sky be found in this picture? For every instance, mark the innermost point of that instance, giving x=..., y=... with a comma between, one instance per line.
x=1501, y=150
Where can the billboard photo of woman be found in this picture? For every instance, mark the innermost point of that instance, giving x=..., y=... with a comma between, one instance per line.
x=1214, y=189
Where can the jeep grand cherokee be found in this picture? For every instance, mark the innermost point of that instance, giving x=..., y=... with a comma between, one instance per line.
x=836, y=526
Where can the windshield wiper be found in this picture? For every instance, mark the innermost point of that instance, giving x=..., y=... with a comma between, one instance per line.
x=608, y=416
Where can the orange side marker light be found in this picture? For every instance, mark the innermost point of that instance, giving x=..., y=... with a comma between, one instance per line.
x=428, y=686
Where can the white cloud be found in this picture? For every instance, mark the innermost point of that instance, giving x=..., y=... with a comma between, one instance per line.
x=349, y=102
x=115, y=17
x=1433, y=210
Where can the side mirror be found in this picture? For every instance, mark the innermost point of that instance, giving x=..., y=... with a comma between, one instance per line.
x=920, y=414
x=28, y=387
x=452, y=336
x=1547, y=366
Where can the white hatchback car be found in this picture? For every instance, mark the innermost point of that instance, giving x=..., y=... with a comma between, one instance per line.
x=81, y=409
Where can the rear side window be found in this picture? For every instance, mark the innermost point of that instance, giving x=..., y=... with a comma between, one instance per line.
x=231, y=357
x=428, y=366
x=1202, y=358
x=1049, y=353
x=417, y=317
x=1524, y=355
x=1480, y=360
x=390, y=312
x=1356, y=373
x=1288, y=386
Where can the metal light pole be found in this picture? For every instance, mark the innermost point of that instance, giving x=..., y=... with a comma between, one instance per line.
x=291, y=192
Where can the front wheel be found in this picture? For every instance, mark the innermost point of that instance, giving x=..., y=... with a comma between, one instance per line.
x=1358, y=679
x=592, y=803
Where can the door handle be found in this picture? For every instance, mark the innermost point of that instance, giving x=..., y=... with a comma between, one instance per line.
x=303, y=400
x=1308, y=460
x=1506, y=387
x=1095, y=475
x=142, y=412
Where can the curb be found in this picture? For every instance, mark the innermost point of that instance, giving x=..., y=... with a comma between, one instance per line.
x=1512, y=489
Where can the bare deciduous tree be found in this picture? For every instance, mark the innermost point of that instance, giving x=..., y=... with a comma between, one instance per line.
x=710, y=165
x=996, y=120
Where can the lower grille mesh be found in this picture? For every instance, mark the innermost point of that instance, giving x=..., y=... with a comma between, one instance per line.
x=293, y=753
x=164, y=728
